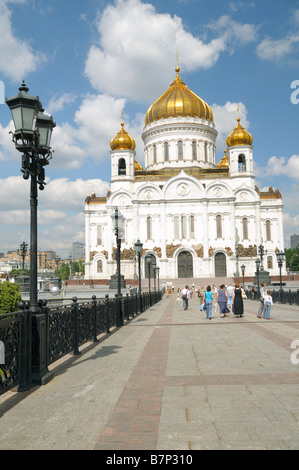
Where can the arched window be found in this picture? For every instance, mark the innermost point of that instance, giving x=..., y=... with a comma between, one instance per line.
x=268, y=230
x=269, y=262
x=241, y=162
x=121, y=166
x=99, y=235
x=245, y=228
x=154, y=153
x=166, y=152
x=218, y=226
x=100, y=266
x=180, y=150
x=149, y=228
x=191, y=222
x=194, y=150
x=176, y=228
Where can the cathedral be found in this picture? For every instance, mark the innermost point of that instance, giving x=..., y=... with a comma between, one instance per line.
x=195, y=217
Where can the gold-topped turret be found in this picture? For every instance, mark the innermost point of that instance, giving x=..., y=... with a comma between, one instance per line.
x=224, y=162
x=122, y=140
x=239, y=136
x=177, y=101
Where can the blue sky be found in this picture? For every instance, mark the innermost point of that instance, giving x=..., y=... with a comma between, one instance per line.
x=89, y=60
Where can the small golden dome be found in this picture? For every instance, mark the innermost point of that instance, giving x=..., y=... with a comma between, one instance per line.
x=239, y=136
x=122, y=140
x=224, y=163
x=138, y=167
x=178, y=100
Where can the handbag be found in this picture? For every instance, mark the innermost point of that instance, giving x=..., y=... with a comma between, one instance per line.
x=203, y=306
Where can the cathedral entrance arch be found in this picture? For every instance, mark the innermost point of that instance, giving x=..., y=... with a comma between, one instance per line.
x=185, y=264
x=220, y=265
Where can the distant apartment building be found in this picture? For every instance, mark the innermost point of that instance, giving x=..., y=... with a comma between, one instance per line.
x=294, y=241
x=78, y=250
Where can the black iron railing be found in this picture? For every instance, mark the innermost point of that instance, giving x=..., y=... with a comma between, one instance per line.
x=31, y=344
x=284, y=296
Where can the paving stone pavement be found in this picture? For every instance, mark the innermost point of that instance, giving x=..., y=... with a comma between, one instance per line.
x=169, y=380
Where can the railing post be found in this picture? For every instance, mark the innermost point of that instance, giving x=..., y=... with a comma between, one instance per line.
x=107, y=303
x=94, y=312
x=76, y=326
x=40, y=372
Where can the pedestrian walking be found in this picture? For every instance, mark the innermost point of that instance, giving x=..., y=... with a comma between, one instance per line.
x=238, y=305
x=208, y=300
x=185, y=294
x=230, y=292
x=260, y=312
x=215, y=290
x=222, y=301
x=268, y=302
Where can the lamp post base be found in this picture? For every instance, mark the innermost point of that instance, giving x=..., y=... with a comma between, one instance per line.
x=114, y=281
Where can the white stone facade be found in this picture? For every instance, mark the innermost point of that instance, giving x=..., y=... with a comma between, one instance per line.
x=191, y=214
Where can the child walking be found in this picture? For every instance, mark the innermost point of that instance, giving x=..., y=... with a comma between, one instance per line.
x=268, y=302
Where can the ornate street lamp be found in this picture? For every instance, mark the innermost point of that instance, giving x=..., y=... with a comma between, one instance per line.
x=148, y=260
x=258, y=263
x=154, y=265
x=138, y=249
x=32, y=137
x=118, y=226
x=158, y=271
x=280, y=260
x=243, y=272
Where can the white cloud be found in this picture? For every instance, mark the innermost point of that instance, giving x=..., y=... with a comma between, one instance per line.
x=277, y=49
x=58, y=103
x=282, y=165
x=135, y=53
x=17, y=57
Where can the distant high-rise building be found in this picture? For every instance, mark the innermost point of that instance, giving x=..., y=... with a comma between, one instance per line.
x=78, y=250
x=294, y=241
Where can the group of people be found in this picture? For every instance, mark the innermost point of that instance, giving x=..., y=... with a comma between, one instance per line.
x=227, y=297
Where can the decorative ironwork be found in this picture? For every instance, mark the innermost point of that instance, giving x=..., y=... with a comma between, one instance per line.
x=68, y=327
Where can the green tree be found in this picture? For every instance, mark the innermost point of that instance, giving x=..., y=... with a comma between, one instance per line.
x=9, y=297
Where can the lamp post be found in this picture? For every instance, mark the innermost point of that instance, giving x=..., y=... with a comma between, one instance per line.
x=138, y=249
x=148, y=260
x=117, y=219
x=23, y=252
x=280, y=260
x=243, y=272
x=257, y=263
x=158, y=271
x=154, y=265
x=32, y=137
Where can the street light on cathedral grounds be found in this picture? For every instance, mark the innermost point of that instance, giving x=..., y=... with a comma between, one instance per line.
x=280, y=260
x=243, y=272
x=154, y=265
x=138, y=248
x=118, y=226
x=148, y=260
x=258, y=263
x=32, y=137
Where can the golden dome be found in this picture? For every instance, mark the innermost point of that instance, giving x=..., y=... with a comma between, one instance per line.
x=178, y=100
x=122, y=140
x=239, y=136
x=224, y=163
x=138, y=167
